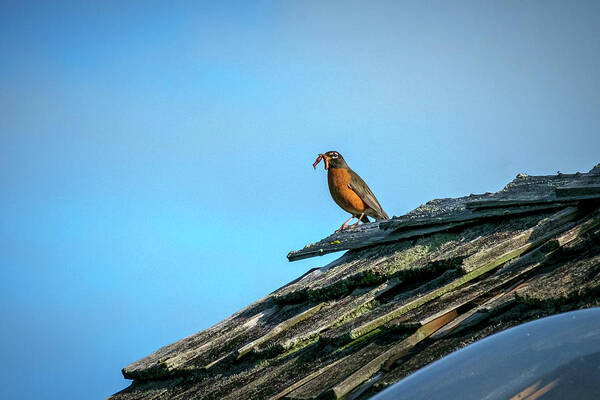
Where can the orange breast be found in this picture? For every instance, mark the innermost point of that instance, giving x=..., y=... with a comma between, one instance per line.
x=338, y=179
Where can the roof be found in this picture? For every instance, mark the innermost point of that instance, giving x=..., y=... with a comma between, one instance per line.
x=407, y=292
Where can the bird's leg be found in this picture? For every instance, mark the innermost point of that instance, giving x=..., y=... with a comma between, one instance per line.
x=344, y=225
x=357, y=222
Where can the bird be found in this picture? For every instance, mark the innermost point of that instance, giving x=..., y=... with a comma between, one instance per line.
x=349, y=191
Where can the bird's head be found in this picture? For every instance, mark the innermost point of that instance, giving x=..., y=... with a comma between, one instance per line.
x=331, y=159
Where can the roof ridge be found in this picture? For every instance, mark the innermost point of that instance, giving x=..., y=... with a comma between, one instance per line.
x=524, y=194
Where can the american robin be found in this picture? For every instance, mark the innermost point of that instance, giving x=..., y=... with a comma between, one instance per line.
x=349, y=191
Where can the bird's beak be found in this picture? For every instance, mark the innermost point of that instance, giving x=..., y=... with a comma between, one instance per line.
x=325, y=161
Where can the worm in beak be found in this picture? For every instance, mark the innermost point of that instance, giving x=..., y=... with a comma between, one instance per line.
x=325, y=161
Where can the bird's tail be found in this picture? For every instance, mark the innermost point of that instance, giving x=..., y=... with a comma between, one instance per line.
x=381, y=216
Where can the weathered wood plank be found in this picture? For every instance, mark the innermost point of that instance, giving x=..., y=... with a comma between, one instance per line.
x=423, y=260
x=388, y=357
x=488, y=265
x=362, y=374
x=522, y=266
x=478, y=314
x=458, y=321
x=446, y=317
x=287, y=324
x=334, y=313
x=530, y=235
x=578, y=191
x=400, y=228
x=532, y=190
x=397, y=312
x=566, y=197
x=320, y=386
x=161, y=363
x=307, y=379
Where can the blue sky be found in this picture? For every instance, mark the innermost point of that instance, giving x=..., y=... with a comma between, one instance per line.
x=156, y=162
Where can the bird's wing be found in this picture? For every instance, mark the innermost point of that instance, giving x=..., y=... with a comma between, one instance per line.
x=362, y=190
